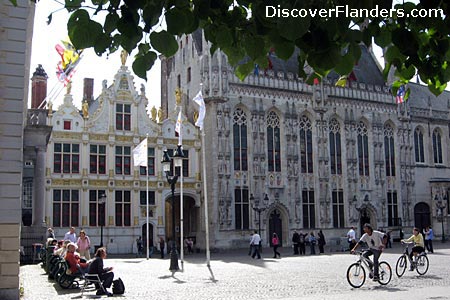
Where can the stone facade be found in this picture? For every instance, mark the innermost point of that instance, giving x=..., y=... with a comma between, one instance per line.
x=312, y=157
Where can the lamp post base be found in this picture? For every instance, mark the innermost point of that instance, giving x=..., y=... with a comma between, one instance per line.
x=173, y=259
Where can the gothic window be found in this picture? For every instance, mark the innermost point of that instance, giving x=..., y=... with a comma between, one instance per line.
x=389, y=152
x=418, y=145
x=65, y=208
x=123, y=208
x=240, y=140
x=338, y=209
x=123, y=160
x=123, y=116
x=96, y=210
x=437, y=147
x=309, y=219
x=392, y=209
x=306, y=149
x=273, y=142
x=363, y=149
x=66, y=158
x=150, y=161
x=335, y=147
x=97, y=159
x=241, y=209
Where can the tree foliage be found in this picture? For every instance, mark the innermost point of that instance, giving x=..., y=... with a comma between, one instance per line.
x=242, y=29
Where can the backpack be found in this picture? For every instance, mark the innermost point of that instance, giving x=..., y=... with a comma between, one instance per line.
x=118, y=287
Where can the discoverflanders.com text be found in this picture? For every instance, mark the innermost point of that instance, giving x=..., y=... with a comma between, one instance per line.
x=348, y=12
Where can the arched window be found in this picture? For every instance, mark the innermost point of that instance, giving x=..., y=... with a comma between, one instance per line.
x=389, y=152
x=437, y=147
x=335, y=147
x=240, y=140
x=363, y=149
x=306, y=149
x=418, y=145
x=273, y=142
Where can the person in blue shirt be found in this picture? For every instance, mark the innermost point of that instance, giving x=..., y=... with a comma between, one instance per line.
x=429, y=236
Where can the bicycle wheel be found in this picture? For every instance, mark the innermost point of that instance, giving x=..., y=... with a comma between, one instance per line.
x=385, y=273
x=422, y=264
x=356, y=275
x=400, y=267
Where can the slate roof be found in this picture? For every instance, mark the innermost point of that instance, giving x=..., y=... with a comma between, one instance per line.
x=420, y=97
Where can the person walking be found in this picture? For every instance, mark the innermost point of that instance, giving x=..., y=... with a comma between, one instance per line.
x=429, y=236
x=255, y=241
x=351, y=237
x=84, y=245
x=71, y=235
x=250, y=243
x=162, y=246
x=295, y=241
x=312, y=243
x=139, y=246
x=275, y=244
x=321, y=242
x=302, y=243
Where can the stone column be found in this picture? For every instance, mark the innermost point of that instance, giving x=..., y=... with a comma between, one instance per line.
x=39, y=187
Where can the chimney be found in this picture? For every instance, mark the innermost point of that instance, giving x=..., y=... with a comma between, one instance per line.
x=38, y=88
x=88, y=90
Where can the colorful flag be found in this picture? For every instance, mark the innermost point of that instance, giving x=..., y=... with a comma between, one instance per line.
x=178, y=128
x=140, y=154
x=316, y=81
x=69, y=60
x=202, y=110
x=400, y=98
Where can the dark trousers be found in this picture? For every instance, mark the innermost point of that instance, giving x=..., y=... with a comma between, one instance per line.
x=351, y=245
x=313, y=248
x=429, y=245
x=302, y=248
x=256, y=251
x=417, y=250
x=107, y=279
x=275, y=252
x=321, y=250
x=376, y=255
x=295, y=248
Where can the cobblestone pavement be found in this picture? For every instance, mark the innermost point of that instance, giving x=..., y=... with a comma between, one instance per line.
x=235, y=275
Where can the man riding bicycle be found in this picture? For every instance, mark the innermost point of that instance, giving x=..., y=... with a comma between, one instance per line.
x=376, y=240
x=419, y=245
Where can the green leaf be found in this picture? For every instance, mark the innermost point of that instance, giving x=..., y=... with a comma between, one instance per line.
x=342, y=81
x=13, y=2
x=72, y=5
x=224, y=38
x=255, y=47
x=143, y=63
x=384, y=38
x=406, y=73
x=436, y=87
x=83, y=32
x=293, y=28
x=244, y=69
x=164, y=42
x=102, y=44
x=345, y=64
x=111, y=22
x=176, y=20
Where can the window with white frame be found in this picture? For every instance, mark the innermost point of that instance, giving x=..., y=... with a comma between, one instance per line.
x=66, y=205
x=123, y=208
x=123, y=160
x=97, y=211
x=66, y=158
x=123, y=116
x=97, y=159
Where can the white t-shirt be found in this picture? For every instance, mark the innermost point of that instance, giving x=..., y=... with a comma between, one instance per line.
x=374, y=241
x=351, y=235
x=255, y=239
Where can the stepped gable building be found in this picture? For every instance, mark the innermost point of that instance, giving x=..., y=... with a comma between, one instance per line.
x=90, y=155
x=282, y=155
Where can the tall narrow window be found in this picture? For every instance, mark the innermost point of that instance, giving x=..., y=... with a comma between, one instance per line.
x=418, y=145
x=143, y=198
x=273, y=142
x=27, y=193
x=389, y=152
x=392, y=209
x=309, y=218
x=123, y=208
x=335, y=147
x=97, y=211
x=65, y=208
x=437, y=147
x=338, y=209
x=97, y=159
x=66, y=158
x=123, y=116
x=306, y=149
x=241, y=209
x=123, y=160
x=363, y=149
x=151, y=163
x=240, y=140
x=188, y=75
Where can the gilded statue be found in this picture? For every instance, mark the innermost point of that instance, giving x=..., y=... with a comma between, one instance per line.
x=123, y=56
x=85, y=108
x=69, y=87
x=195, y=116
x=178, y=96
x=50, y=108
x=153, y=112
x=160, y=115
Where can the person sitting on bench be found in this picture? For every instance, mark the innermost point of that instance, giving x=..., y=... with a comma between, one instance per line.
x=105, y=274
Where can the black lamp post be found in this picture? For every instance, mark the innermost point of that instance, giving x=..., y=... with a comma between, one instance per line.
x=441, y=205
x=102, y=202
x=172, y=180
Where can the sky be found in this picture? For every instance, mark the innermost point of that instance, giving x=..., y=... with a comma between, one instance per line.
x=45, y=37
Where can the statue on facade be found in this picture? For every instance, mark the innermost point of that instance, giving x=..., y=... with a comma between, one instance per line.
x=50, y=108
x=69, y=87
x=160, y=115
x=153, y=112
x=85, y=109
x=178, y=94
x=123, y=56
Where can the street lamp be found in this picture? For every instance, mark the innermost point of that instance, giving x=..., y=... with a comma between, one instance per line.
x=259, y=210
x=441, y=205
x=172, y=180
x=102, y=202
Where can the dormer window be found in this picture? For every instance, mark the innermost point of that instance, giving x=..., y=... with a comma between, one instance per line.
x=67, y=125
x=123, y=116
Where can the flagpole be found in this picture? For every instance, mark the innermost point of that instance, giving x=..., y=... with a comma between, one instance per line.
x=146, y=203
x=181, y=217
x=208, y=254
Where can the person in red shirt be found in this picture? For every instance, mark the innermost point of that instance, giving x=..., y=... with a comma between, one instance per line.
x=73, y=259
x=275, y=244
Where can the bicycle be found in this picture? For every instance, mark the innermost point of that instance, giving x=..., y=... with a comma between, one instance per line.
x=356, y=273
x=420, y=262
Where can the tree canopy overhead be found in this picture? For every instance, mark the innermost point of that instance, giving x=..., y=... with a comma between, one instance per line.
x=416, y=37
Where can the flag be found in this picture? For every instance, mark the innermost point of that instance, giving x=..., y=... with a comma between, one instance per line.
x=316, y=81
x=70, y=57
x=140, y=154
x=202, y=110
x=178, y=128
x=400, y=95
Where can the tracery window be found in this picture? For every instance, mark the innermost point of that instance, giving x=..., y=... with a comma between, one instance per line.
x=437, y=147
x=240, y=140
x=273, y=142
x=335, y=147
x=389, y=152
x=418, y=145
x=306, y=149
x=363, y=149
